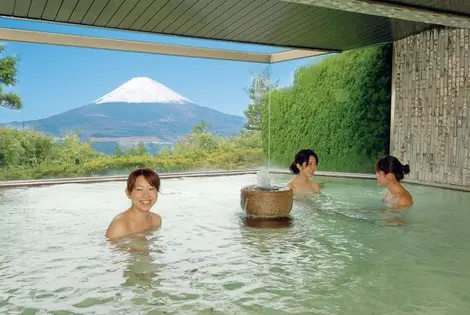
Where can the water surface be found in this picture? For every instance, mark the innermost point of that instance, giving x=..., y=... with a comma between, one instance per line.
x=339, y=253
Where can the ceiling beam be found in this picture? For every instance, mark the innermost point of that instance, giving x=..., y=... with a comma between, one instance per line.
x=395, y=11
x=35, y=37
x=295, y=54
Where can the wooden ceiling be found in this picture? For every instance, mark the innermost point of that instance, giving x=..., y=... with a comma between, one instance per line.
x=271, y=22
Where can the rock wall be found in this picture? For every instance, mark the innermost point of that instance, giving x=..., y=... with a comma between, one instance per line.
x=430, y=119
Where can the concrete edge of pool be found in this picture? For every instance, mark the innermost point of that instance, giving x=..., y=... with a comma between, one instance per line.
x=101, y=179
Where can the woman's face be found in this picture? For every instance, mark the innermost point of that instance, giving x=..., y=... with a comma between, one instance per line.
x=144, y=195
x=308, y=168
x=382, y=178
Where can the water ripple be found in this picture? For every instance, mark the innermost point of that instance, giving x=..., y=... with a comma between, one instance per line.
x=333, y=256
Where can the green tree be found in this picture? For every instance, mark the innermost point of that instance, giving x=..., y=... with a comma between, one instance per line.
x=118, y=151
x=247, y=140
x=138, y=150
x=202, y=127
x=258, y=91
x=72, y=151
x=8, y=73
x=23, y=148
x=11, y=150
x=200, y=140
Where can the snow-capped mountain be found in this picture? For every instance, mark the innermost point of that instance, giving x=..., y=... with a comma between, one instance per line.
x=139, y=109
x=142, y=90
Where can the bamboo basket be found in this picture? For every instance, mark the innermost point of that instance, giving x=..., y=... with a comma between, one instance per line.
x=260, y=202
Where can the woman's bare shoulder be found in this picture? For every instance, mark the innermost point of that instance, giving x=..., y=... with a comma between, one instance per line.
x=315, y=187
x=156, y=220
x=405, y=199
x=117, y=228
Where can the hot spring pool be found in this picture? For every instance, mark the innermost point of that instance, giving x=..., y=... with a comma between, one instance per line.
x=339, y=254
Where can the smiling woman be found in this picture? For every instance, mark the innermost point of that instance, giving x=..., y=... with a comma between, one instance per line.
x=143, y=185
x=304, y=166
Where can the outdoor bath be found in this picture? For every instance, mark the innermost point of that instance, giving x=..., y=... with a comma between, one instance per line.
x=335, y=254
x=100, y=88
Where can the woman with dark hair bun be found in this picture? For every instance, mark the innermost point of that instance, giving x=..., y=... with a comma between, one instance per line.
x=304, y=166
x=389, y=172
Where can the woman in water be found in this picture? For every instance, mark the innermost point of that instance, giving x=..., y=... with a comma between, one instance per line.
x=304, y=166
x=389, y=172
x=143, y=185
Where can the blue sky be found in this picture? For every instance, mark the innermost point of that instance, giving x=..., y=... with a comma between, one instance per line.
x=54, y=79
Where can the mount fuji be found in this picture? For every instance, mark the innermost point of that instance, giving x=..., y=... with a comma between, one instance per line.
x=142, y=90
x=141, y=109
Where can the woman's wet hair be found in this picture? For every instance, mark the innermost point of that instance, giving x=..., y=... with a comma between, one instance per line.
x=302, y=157
x=390, y=164
x=150, y=176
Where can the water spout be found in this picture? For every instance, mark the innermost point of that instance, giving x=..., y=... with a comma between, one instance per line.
x=264, y=179
x=264, y=200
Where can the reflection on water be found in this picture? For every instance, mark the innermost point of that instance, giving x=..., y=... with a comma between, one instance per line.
x=271, y=223
x=140, y=268
x=353, y=209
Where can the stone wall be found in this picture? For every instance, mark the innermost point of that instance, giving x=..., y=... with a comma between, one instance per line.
x=430, y=119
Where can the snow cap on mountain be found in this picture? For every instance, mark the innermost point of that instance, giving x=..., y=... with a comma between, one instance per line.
x=142, y=90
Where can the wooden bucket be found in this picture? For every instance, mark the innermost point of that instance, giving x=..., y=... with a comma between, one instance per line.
x=260, y=202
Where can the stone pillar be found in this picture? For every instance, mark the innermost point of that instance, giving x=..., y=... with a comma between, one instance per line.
x=430, y=118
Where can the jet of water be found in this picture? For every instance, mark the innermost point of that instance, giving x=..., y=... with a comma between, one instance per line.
x=264, y=180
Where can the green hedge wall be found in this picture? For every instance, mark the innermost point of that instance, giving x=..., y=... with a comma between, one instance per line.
x=339, y=107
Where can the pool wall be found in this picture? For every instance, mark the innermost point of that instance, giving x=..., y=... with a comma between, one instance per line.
x=100, y=179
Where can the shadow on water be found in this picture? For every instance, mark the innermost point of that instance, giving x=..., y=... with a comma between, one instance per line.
x=267, y=223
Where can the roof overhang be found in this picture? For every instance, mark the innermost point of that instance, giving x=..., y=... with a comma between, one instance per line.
x=47, y=38
x=308, y=27
x=434, y=12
